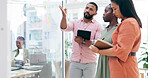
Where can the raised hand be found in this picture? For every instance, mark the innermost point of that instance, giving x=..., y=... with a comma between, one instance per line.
x=64, y=11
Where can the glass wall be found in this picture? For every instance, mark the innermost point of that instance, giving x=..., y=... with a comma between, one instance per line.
x=38, y=22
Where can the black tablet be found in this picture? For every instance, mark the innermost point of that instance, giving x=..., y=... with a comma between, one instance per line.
x=84, y=34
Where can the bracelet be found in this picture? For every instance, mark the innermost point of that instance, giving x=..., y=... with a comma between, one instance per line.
x=92, y=43
x=83, y=42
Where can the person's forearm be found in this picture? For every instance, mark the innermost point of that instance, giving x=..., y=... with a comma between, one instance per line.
x=63, y=23
x=107, y=52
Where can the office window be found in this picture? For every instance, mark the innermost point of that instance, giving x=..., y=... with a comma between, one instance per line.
x=38, y=22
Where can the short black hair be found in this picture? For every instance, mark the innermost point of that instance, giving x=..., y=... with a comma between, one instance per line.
x=110, y=8
x=21, y=38
x=93, y=3
x=127, y=9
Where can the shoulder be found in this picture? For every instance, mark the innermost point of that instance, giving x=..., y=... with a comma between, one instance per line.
x=96, y=22
x=15, y=50
x=114, y=28
x=131, y=21
x=75, y=21
x=98, y=25
x=130, y=25
x=26, y=50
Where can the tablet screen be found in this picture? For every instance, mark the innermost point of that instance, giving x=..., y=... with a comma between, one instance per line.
x=84, y=34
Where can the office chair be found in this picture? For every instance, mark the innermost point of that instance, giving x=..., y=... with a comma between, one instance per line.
x=46, y=71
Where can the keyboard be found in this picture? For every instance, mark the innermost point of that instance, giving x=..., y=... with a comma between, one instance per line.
x=33, y=68
x=15, y=68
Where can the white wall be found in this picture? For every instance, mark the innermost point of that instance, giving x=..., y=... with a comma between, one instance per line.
x=4, y=42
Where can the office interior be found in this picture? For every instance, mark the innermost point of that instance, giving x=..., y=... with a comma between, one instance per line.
x=38, y=21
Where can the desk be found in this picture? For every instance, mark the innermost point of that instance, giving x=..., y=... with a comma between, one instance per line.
x=23, y=73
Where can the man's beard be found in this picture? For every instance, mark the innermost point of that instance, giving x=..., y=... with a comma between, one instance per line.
x=88, y=16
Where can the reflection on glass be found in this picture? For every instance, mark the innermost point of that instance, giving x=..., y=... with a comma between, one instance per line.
x=38, y=23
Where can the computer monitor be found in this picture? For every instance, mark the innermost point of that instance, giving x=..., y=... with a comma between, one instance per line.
x=38, y=59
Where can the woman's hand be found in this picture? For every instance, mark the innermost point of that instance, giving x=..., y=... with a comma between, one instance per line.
x=24, y=61
x=94, y=49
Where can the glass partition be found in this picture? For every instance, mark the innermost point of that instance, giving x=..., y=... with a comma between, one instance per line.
x=38, y=22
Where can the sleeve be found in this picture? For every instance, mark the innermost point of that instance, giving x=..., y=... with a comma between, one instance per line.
x=13, y=63
x=13, y=55
x=125, y=40
x=70, y=26
x=27, y=55
x=98, y=32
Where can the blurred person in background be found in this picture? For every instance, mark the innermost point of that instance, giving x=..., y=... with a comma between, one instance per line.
x=20, y=55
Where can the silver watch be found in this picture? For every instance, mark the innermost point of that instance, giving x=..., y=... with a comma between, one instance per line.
x=83, y=42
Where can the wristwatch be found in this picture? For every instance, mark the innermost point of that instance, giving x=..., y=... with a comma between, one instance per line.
x=92, y=42
x=83, y=42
